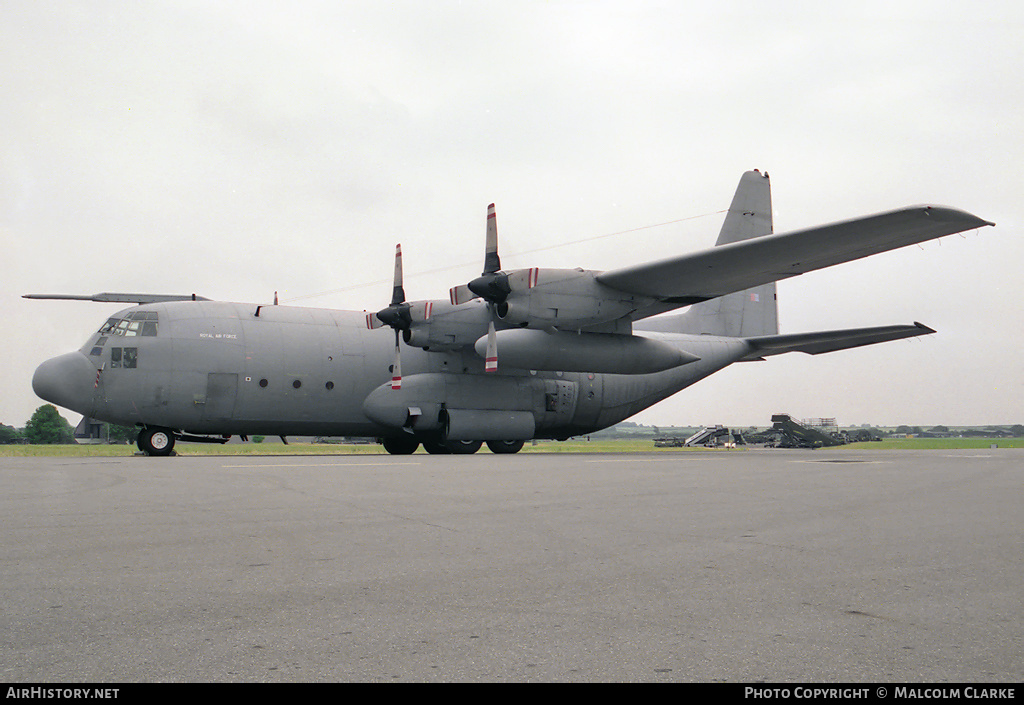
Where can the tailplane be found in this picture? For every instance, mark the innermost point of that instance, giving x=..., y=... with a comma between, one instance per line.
x=827, y=341
x=742, y=314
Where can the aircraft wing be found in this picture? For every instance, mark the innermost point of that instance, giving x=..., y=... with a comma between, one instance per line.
x=741, y=265
x=120, y=297
x=831, y=340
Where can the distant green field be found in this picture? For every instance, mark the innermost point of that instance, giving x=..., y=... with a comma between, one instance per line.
x=938, y=443
x=570, y=446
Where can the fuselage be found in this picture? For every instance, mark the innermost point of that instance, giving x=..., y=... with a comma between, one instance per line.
x=204, y=367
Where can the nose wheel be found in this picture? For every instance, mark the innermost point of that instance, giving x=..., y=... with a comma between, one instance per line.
x=156, y=441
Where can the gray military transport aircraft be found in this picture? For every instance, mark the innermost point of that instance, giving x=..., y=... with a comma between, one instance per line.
x=510, y=356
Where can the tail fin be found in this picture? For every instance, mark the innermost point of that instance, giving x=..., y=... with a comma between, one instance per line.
x=742, y=314
x=750, y=214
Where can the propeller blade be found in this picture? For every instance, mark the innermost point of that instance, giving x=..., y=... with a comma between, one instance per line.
x=460, y=294
x=396, y=314
x=492, y=263
x=398, y=293
x=372, y=322
x=491, y=360
x=396, y=369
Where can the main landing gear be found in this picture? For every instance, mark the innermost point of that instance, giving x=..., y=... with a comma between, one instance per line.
x=156, y=441
x=505, y=446
x=406, y=445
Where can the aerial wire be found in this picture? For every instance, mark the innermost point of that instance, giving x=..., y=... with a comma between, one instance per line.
x=450, y=267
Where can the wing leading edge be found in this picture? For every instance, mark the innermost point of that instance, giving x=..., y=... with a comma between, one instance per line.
x=741, y=265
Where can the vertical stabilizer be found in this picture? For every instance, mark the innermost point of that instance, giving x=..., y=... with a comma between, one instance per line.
x=742, y=314
x=750, y=214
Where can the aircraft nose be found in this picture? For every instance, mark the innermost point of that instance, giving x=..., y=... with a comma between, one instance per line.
x=66, y=381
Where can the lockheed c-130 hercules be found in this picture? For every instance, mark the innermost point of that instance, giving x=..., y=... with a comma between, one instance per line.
x=510, y=356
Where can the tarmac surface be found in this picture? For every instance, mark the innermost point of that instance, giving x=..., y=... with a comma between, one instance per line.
x=783, y=566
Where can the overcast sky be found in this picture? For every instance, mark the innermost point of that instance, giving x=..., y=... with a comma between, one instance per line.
x=234, y=149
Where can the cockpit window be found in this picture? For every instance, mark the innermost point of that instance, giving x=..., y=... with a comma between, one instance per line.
x=124, y=357
x=98, y=345
x=135, y=323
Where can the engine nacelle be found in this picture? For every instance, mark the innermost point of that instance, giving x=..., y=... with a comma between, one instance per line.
x=561, y=298
x=443, y=326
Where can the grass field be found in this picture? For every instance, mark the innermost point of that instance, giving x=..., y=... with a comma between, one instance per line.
x=938, y=443
x=570, y=446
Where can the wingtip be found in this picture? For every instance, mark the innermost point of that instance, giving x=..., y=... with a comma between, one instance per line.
x=948, y=213
x=923, y=327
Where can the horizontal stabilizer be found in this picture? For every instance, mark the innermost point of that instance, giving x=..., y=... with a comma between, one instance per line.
x=109, y=297
x=832, y=340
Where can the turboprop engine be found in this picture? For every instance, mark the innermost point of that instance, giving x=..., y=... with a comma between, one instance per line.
x=542, y=298
x=553, y=300
x=431, y=325
x=550, y=319
x=545, y=298
x=445, y=327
